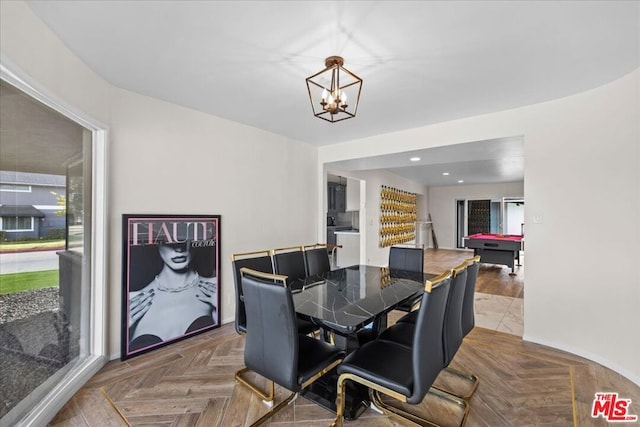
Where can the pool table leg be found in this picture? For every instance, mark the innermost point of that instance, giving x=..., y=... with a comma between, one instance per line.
x=513, y=267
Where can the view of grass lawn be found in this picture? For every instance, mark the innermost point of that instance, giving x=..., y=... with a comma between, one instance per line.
x=31, y=245
x=16, y=282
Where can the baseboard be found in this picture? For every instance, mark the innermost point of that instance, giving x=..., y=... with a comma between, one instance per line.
x=587, y=355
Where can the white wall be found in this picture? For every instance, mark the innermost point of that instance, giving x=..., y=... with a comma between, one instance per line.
x=170, y=159
x=26, y=43
x=443, y=210
x=582, y=174
x=374, y=180
x=583, y=284
x=32, y=54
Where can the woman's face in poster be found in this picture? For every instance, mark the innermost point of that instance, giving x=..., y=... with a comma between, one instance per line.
x=175, y=255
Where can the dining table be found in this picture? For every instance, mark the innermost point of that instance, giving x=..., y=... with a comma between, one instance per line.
x=345, y=302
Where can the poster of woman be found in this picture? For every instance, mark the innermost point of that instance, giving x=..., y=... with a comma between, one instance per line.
x=171, y=276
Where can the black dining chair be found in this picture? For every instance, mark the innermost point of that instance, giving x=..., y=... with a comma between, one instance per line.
x=273, y=348
x=316, y=259
x=452, y=330
x=258, y=261
x=404, y=373
x=289, y=262
x=467, y=324
x=407, y=259
x=452, y=334
x=468, y=314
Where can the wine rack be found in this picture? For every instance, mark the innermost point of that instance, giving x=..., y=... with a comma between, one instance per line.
x=479, y=216
x=398, y=214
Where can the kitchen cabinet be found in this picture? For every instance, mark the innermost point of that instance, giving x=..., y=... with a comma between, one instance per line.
x=331, y=233
x=336, y=197
x=353, y=195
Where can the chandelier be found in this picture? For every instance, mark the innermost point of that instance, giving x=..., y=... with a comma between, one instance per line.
x=334, y=92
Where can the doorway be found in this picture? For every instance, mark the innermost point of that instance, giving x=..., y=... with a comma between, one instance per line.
x=461, y=222
x=496, y=216
x=513, y=215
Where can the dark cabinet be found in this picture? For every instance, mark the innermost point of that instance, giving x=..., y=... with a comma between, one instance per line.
x=336, y=197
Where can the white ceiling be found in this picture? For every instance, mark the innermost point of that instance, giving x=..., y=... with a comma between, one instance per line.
x=478, y=162
x=421, y=62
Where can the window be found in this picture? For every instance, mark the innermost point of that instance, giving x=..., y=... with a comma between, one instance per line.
x=59, y=343
x=18, y=188
x=16, y=223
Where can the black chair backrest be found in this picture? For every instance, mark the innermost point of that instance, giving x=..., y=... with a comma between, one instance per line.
x=316, y=260
x=427, y=338
x=468, y=316
x=406, y=258
x=271, y=345
x=452, y=329
x=289, y=262
x=260, y=261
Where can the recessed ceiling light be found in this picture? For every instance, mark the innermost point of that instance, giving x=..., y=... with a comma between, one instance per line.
x=445, y=173
x=415, y=159
x=460, y=181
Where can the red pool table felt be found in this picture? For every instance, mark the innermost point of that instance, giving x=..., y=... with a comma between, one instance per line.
x=489, y=236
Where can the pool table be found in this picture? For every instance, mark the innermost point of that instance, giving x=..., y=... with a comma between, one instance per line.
x=496, y=248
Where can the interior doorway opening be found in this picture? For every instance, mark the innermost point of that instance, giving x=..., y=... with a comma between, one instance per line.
x=503, y=215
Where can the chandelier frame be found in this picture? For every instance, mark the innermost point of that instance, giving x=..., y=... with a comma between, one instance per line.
x=332, y=105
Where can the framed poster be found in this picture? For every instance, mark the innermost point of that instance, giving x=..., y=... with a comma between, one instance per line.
x=171, y=279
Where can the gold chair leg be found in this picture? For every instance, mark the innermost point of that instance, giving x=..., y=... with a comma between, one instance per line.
x=274, y=410
x=340, y=400
x=455, y=399
x=399, y=414
x=374, y=392
x=469, y=377
x=267, y=397
x=413, y=418
x=465, y=376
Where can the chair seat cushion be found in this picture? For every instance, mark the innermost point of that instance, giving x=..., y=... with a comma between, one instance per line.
x=401, y=333
x=409, y=318
x=313, y=356
x=383, y=362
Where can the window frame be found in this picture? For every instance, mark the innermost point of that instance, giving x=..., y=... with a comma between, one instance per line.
x=45, y=409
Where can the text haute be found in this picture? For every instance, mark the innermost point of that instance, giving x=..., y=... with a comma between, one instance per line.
x=153, y=232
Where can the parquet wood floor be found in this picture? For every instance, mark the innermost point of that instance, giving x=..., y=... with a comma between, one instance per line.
x=492, y=279
x=191, y=383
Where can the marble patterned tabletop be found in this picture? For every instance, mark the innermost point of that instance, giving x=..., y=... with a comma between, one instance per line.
x=346, y=299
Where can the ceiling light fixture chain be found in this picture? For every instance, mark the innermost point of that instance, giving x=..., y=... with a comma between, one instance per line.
x=330, y=89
